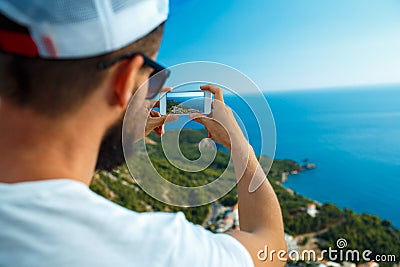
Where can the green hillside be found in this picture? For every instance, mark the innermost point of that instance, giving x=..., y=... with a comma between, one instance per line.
x=363, y=231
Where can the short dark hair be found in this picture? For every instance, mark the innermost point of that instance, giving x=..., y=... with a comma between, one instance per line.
x=56, y=87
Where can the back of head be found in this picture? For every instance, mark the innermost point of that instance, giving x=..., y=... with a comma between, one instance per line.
x=50, y=49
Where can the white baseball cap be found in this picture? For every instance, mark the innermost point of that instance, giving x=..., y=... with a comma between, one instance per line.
x=71, y=29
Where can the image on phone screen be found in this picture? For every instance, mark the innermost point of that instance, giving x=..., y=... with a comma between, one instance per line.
x=181, y=103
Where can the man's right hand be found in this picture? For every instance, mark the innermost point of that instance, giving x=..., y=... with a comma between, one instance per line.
x=220, y=123
x=259, y=211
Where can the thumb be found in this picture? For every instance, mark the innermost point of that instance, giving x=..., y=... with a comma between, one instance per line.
x=159, y=121
x=170, y=118
x=199, y=117
x=163, y=119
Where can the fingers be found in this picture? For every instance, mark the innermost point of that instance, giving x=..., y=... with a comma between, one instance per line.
x=154, y=113
x=196, y=116
x=164, y=120
x=200, y=118
x=152, y=104
x=156, y=122
x=170, y=118
x=159, y=130
x=205, y=121
x=217, y=104
x=166, y=89
x=159, y=120
x=155, y=116
x=157, y=104
x=217, y=92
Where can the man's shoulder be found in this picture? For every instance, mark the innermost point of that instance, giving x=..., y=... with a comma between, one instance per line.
x=69, y=213
x=69, y=198
x=90, y=204
x=47, y=203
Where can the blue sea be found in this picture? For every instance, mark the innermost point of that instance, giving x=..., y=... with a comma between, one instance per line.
x=352, y=134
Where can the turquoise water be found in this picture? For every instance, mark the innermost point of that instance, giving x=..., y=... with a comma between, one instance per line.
x=352, y=134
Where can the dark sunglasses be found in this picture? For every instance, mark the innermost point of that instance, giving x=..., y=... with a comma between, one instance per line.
x=157, y=78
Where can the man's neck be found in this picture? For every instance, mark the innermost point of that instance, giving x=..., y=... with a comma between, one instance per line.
x=34, y=147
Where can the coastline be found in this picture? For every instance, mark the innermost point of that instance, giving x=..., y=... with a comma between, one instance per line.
x=353, y=137
x=288, y=176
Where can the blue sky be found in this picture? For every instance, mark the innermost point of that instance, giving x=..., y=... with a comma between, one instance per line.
x=289, y=44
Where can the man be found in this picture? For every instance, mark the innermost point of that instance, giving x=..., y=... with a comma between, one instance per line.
x=68, y=70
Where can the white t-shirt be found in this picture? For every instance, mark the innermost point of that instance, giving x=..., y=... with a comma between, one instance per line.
x=63, y=223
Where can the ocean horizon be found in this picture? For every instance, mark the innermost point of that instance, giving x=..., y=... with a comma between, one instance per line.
x=352, y=135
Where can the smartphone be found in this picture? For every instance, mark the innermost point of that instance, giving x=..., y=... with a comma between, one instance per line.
x=183, y=103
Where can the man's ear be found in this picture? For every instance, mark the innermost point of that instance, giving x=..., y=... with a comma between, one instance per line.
x=125, y=80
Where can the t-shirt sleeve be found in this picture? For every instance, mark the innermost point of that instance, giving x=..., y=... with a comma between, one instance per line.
x=196, y=246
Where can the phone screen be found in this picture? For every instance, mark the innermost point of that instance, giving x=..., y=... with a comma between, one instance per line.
x=185, y=103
